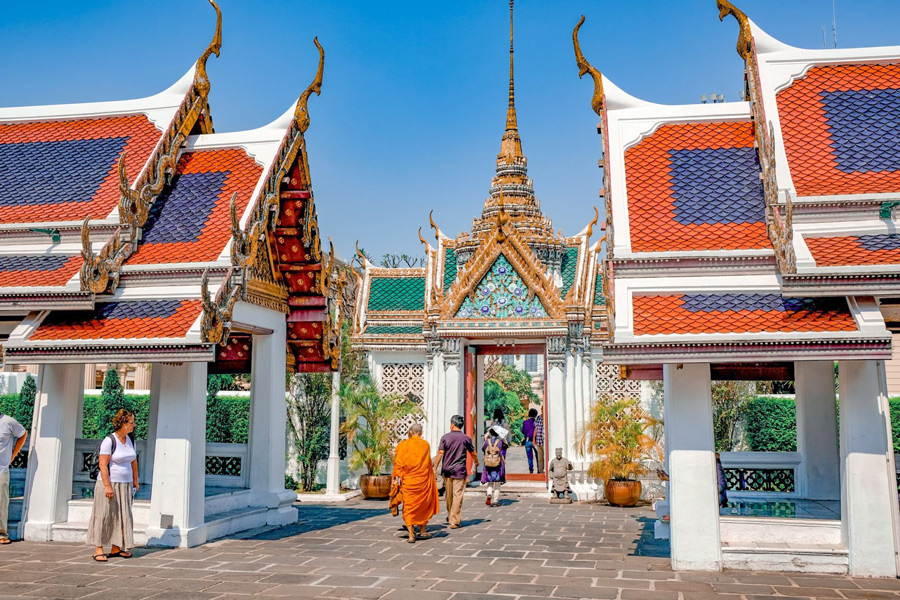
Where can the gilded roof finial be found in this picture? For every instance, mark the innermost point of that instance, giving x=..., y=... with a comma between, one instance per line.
x=301, y=115
x=437, y=231
x=590, y=229
x=511, y=146
x=584, y=67
x=745, y=35
x=201, y=80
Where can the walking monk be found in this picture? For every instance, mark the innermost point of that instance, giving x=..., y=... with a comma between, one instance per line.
x=412, y=465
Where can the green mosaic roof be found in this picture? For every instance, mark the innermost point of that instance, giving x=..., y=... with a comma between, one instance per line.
x=449, y=268
x=567, y=269
x=598, y=290
x=393, y=330
x=397, y=293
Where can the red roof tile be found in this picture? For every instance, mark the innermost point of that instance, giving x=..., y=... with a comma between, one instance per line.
x=838, y=141
x=191, y=221
x=695, y=186
x=44, y=164
x=855, y=250
x=738, y=313
x=38, y=271
x=142, y=319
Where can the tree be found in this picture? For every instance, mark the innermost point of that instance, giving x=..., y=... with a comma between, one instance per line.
x=218, y=417
x=24, y=410
x=309, y=418
x=397, y=261
x=729, y=399
x=509, y=389
x=112, y=400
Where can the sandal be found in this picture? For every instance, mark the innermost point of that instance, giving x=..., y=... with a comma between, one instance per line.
x=411, y=540
x=101, y=558
x=4, y=541
x=425, y=536
x=120, y=554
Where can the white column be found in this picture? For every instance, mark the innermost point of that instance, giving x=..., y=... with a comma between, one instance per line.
x=693, y=492
x=819, y=476
x=868, y=484
x=453, y=404
x=268, y=425
x=153, y=415
x=333, y=478
x=48, y=487
x=571, y=407
x=177, y=502
x=556, y=407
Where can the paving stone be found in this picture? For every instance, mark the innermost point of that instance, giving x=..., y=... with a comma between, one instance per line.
x=475, y=587
x=816, y=592
x=234, y=587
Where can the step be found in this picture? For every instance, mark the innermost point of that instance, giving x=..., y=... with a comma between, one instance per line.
x=233, y=521
x=793, y=558
x=80, y=510
x=221, y=503
x=76, y=532
x=804, y=532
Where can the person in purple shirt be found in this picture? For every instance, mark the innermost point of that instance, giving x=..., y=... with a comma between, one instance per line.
x=451, y=459
x=528, y=430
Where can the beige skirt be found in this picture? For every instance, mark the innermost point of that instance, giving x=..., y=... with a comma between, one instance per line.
x=111, y=521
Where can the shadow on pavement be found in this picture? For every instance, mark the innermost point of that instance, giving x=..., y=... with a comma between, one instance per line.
x=313, y=518
x=647, y=544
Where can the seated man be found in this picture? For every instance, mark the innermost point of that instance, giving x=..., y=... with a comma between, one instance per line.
x=413, y=467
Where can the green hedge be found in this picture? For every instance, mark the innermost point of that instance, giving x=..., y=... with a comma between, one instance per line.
x=10, y=405
x=771, y=424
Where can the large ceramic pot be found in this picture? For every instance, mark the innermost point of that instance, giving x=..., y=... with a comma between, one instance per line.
x=376, y=487
x=623, y=493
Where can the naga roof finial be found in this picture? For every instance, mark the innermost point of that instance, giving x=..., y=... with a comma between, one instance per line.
x=437, y=231
x=201, y=79
x=745, y=35
x=301, y=114
x=590, y=228
x=584, y=67
x=422, y=239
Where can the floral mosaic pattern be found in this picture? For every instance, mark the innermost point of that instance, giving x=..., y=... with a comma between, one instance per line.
x=501, y=294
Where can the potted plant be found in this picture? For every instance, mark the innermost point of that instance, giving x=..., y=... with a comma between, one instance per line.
x=370, y=419
x=617, y=438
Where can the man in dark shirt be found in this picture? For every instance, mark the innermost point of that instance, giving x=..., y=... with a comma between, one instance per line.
x=451, y=458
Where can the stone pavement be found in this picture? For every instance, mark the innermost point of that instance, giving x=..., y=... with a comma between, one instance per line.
x=524, y=549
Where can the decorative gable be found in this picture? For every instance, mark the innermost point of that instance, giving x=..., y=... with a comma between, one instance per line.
x=501, y=294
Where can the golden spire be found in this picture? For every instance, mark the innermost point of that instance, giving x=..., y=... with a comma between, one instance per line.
x=511, y=146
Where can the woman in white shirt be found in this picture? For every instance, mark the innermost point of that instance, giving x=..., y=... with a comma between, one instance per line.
x=111, y=522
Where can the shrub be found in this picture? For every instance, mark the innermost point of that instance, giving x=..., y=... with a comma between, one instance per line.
x=21, y=406
x=96, y=425
x=771, y=424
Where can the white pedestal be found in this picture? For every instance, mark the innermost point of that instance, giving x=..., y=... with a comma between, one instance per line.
x=869, y=510
x=693, y=492
x=48, y=486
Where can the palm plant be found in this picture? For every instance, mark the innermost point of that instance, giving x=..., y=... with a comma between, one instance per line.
x=616, y=435
x=370, y=419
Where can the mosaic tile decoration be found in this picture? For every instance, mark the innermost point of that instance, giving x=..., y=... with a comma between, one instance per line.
x=449, y=267
x=567, y=269
x=841, y=129
x=397, y=294
x=190, y=221
x=142, y=319
x=696, y=186
x=501, y=294
x=738, y=313
x=66, y=170
x=46, y=270
x=855, y=250
x=393, y=330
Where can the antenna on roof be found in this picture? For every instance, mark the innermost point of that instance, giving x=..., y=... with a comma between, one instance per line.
x=833, y=24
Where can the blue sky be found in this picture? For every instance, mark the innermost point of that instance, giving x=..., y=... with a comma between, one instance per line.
x=413, y=103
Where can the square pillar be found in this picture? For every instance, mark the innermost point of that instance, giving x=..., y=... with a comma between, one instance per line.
x=693, y=493
x=268, y=423
x=571, y=407
x=51, y=458
x=453, y=403
x=819, y=476
x=177, y=498
x=869, y=510
x=146, y=469
x=555, y=428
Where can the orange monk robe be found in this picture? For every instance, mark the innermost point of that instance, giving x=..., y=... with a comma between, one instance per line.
x=412, y=463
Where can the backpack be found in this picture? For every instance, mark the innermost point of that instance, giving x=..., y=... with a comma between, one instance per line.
x=94, y=471
x=492, y=456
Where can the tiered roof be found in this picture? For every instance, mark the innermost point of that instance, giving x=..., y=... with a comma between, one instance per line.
x=705, y=228
x=510, y=275
x=177, y=225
